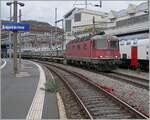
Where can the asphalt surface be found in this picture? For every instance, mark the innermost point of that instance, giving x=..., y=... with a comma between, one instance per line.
x=50, y=108
x=17, y=92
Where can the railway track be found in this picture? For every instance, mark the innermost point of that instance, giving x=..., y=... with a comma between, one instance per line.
x=136, y=81
x=95, y=100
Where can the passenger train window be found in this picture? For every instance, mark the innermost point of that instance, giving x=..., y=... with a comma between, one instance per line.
x=135, y=42
x=121, y=42
x=128, y=43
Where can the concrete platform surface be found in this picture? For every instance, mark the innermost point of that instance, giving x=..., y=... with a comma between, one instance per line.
x=143, y=75
x=20, y=93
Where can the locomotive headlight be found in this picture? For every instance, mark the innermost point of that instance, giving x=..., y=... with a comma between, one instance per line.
x=101, y=56
x=116, y=56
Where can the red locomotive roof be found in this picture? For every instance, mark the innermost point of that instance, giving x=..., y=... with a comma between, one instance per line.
x=94, y=37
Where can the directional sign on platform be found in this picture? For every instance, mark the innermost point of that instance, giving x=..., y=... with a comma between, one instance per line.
x=12, y=26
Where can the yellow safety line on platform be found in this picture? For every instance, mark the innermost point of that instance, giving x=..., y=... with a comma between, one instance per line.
x=36, y=108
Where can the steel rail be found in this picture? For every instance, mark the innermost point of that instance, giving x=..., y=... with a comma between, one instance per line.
x=71, y=89
x=126, y=106
x=143, y=83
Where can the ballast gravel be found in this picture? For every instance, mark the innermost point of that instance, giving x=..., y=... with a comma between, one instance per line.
x=135, y=96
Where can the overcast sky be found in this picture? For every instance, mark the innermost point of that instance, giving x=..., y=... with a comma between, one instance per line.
x=45, y=10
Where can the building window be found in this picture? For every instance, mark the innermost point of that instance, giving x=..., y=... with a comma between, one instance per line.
x=68, y=25
x=77, y=17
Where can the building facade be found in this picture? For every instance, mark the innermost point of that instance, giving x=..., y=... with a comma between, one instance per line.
x=40, y=36
x=129, y=20
x=79, y=20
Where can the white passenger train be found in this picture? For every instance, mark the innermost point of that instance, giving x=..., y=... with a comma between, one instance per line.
x=134, y=50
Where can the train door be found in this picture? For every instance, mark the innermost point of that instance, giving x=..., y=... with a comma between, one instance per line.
x=134, y=56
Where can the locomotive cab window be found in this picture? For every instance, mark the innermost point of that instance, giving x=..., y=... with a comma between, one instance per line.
x=114, y=44
x=94, y=43
x=99, y=41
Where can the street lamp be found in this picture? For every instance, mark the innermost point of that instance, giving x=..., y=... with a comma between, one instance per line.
x=9, y=4
x=15, y=2
x=61, y=20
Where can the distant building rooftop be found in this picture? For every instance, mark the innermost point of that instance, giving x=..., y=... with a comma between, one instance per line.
x=141, y=7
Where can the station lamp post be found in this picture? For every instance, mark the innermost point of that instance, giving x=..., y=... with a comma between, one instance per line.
x=61, y=20
x=9, y=4
x=15, y=4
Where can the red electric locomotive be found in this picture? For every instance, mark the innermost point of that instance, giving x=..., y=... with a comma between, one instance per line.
x=100, y=52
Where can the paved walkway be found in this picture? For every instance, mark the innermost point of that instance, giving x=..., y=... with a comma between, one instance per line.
x=134, y=73
x=21, y=96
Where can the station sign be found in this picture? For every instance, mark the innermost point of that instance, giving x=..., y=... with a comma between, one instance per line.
x=12, y=26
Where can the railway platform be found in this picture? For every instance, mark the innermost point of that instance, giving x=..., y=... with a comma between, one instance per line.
x=22, y=96
x=142, y=75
